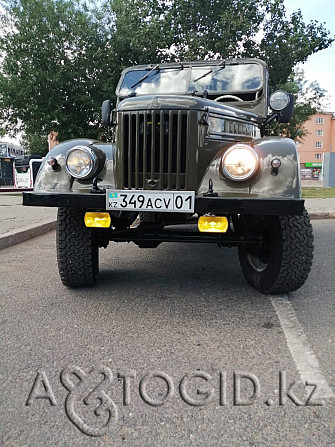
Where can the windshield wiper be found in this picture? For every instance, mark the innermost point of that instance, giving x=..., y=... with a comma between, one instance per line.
x=156, y=67
x=222, y=64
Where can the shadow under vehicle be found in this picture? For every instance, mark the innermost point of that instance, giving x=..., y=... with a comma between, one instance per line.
x=188, y=161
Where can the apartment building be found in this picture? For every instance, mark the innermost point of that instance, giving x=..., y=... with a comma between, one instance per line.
x=319, y=140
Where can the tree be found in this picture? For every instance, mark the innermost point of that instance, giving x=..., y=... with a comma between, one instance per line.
x=214, y=28
x=54, y=73
x=196, y=29
x=139, y=31
x=35, y=144
x=147, y=31
x=159, y=30
x=61, y=59
x=286, y=42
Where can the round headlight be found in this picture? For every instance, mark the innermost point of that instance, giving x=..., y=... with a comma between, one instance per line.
x=81, y=162
x=279, y=100
x=239, y=162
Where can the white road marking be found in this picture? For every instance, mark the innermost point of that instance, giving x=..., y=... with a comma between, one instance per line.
x=302, y=353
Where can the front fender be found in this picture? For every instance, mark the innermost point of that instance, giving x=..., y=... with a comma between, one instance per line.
x=59, y=180
x=286, y=184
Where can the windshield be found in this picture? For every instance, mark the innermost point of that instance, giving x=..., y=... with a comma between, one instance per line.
x=159, y=81
x=239, y=77
x=231, y=78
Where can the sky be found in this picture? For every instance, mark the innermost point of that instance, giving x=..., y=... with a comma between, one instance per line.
x=320, y=66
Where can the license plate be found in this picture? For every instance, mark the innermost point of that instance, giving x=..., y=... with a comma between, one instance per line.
x=158, y=201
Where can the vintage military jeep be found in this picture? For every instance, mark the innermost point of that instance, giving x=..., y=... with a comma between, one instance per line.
x=187, y=161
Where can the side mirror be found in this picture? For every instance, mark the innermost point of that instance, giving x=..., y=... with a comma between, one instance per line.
x=282, y=104
x=106, y=111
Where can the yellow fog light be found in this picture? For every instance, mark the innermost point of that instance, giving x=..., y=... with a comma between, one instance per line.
x=213, y=224
x=97, y=220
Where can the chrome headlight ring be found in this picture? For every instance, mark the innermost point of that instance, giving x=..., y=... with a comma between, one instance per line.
x=81, y=162
x=239, y=163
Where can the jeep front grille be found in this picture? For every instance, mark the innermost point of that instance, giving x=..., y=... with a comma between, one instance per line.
x=153, y=149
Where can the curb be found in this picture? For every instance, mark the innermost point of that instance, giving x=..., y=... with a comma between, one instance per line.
x=321, y=215
x=15, y=189
x=29, y=232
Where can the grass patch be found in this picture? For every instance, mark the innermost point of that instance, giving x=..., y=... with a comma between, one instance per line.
x=318, y=193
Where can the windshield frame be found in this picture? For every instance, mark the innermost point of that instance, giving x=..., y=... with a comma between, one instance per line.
x=210, y=65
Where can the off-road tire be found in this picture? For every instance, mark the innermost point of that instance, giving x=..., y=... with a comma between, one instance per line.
x=289, y=255
x=77, y=249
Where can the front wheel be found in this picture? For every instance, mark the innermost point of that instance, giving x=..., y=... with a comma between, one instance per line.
x=282, y=261
x=77, y=249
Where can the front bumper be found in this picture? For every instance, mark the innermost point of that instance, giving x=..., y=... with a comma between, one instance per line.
x=203, y=205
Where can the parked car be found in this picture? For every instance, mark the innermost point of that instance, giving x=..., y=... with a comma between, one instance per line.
x=188, y=161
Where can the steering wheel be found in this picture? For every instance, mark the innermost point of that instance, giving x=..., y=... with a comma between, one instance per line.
x=228, y=97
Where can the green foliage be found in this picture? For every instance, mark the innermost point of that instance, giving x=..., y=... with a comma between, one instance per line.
x=213, y=28
x=286, y=42
x=153, y=31
x=36, y=144
x=317, y=193
x=54, y=73
x=139, y=31
x=61, y=58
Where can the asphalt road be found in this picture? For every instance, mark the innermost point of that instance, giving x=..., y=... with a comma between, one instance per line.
x=179, y=310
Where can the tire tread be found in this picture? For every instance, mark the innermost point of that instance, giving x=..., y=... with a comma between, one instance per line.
x=77, y=250
x=297, y=256
x=292, y=259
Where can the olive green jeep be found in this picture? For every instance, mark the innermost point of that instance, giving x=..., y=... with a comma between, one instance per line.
x=187, y=161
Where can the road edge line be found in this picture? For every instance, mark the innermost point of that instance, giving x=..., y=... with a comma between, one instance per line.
x=303, y=355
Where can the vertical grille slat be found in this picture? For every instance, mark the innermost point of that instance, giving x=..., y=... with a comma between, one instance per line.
x=122, y=149
x=153, y=149
x=183, y=149
x=187, y=138
x=137, y=150
x=170, y=150
x=161, y=150
x=153, y=140
x=145, y=142
x=178, y=150
x=130, y=148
